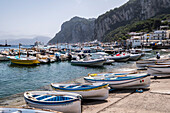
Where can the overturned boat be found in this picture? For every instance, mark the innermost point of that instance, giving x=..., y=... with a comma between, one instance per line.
x=97, y=91
x=59, y=101
x=123, y=81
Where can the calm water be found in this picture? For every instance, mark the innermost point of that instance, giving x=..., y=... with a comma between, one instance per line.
x=15, y=79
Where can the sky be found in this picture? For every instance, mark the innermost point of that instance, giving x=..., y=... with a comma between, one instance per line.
x=31, y=18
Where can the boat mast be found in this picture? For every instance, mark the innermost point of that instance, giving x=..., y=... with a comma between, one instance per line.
x=19, y=50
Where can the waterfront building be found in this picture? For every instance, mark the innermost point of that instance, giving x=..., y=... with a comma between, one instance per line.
x=159, y=35
x=168, y=34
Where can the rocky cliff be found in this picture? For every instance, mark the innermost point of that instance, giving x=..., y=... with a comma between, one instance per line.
x=75, y=30
x=107, y=25
x=133, y=10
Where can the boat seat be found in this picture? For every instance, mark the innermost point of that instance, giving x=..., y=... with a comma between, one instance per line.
x=58, y=98
x=41, y=97
x=48, y=98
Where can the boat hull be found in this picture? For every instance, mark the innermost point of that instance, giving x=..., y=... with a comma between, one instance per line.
x=138, y=82
x=97, y=93
x=135, y=57
x=89, y=63
x=66, y=107
x=121, y=58
x=24, y=61
x=3, y=58
x=21, y=110
x=159, y=70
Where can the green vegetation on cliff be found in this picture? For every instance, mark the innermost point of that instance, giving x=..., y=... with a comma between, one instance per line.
x=138, y=26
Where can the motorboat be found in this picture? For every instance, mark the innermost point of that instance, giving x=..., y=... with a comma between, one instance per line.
x=139, y=80
x=60, y=101
x=97, y=91
x=134, y=57
x=120, y=57
x=87, y=61
x=99, y=55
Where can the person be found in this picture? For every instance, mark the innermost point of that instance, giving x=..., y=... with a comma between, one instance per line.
x=157, y=55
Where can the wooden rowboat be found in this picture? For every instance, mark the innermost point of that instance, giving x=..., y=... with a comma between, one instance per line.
x=123, y=81
x=59, y=101
x=98, y=91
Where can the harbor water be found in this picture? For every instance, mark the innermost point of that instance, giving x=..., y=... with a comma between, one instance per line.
x=16, y=79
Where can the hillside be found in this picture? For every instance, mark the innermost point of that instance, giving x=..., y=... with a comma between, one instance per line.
x=135, y=15
x=107, y=25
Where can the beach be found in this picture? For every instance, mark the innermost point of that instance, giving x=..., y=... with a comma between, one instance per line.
x=154, y=99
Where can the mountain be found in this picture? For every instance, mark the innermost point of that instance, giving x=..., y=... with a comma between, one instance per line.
x=132, y=11
x=115, y=23
x=75, y=30
x=26, y=41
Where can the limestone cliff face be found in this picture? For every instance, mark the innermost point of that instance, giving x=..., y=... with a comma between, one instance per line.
x=76, y=30
x=81, y=29
x=131, y=11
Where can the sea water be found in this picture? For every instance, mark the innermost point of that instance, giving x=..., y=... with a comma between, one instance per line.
x=16, y=79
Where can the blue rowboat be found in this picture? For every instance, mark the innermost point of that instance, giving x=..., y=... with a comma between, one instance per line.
x=98, y=91
x=123, y=81
x=58, y=101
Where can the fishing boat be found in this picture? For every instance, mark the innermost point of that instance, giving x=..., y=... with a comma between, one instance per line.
x=123, y=81
x=134, y=57
x=87, y=61
x=159, y=70
x=59, y=101
x=23, y=61
x=24, y=110
x=97, y=91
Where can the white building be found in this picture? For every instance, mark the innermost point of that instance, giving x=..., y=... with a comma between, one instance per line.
x=148, y=36
x=136, y=41
x=159, y=35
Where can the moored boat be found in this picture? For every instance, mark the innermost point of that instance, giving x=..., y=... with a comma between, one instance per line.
x=134, y=57
x=121, y=57
x=98, y=91
x=87, y=61
x=23, y=61
x=123, y=81
x=3, y=58
x=59, y=101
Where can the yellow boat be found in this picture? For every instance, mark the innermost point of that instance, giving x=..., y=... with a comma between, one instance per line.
x=23, y=61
